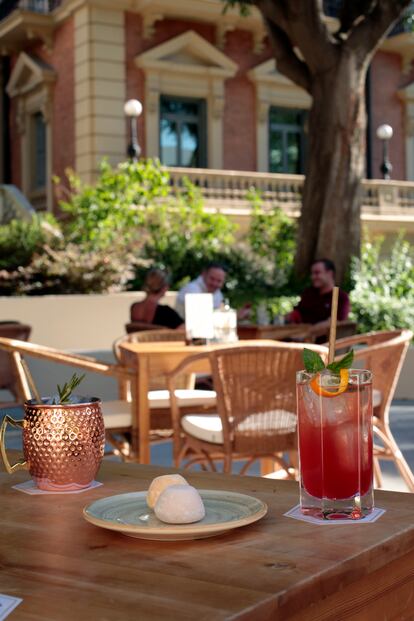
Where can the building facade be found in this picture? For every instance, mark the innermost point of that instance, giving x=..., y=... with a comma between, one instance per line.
x=211, y=93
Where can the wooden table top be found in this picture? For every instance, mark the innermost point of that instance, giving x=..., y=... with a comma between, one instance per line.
x=160, y=347
x=253, y=331
x=65, y=568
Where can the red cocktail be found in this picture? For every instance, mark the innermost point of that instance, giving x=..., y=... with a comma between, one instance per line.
x=335, y=443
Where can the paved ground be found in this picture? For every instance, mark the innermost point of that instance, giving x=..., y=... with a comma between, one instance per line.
x=402, y=425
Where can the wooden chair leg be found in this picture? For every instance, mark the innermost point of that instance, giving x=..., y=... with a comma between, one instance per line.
x=227, y=464
x=397, y=456
x=267, y=465
x=377, y=473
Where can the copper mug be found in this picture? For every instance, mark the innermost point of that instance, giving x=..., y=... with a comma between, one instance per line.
x=63, y=445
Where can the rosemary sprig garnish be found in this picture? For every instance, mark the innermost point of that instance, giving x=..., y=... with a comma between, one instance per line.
x=65, y=392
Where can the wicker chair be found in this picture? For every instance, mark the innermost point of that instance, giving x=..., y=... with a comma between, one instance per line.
x=383, y=353
x=158, y=396
x=117, y=414
x=8, y=376
x=256, y=407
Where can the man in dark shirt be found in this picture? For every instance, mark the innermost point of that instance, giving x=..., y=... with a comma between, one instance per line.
x=316, y=301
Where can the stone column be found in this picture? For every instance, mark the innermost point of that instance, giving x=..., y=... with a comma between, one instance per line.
x=100, y=89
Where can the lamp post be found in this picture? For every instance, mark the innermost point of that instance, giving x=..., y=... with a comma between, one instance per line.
x=384, y=133
x=132, y=109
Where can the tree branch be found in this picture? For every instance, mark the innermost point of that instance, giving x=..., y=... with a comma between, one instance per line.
x=351, y=11
x=287, y=61
x=370, y=32
x=302, y=22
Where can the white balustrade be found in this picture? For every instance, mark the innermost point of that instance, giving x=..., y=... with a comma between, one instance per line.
x=227, y=190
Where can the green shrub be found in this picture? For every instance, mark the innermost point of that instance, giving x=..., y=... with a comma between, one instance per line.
x=272, y=234
x=67, y=270
x=20, y=240
x=115, y=206
x=182, y=237
x=383, y=287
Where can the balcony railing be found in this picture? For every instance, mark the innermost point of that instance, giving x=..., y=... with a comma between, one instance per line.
x=36, y=6
x=227, y=191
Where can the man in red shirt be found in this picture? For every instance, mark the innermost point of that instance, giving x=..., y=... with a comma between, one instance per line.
x=316, y=301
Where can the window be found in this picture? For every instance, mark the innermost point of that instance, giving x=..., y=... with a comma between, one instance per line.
x=182, y=132
x=286, y=140
x=38, y=152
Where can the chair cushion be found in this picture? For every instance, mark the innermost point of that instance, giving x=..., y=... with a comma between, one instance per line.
x=117, y=414
x=376, y=398
x=208, y=427
x=186, y=398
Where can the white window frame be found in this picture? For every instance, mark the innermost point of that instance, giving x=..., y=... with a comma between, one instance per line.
x=186, y=66
x=272, y=89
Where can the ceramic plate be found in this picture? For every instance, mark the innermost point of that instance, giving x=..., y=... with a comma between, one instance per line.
x=130, y=515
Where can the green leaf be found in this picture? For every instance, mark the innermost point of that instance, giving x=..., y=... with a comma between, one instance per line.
x=344, y=363
x=66, y=390
x=312, y=361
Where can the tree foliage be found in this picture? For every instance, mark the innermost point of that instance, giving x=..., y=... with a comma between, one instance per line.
x=331, y=67
x=383, y=294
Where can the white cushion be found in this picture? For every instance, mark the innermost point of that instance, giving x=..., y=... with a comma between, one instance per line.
x=117, y=414
x=186, y=398
x=208, y=427
x=376, y=398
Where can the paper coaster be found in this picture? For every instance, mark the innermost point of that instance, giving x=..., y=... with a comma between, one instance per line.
x=7, y=604
x=297, y=514
x=29, y=487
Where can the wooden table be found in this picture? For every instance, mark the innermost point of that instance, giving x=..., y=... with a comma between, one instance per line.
x=278, y=569
x=156, y=360
x=277, y=333
x=305, y=332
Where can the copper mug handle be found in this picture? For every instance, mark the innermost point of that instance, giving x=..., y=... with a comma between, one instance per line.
x=22, y=463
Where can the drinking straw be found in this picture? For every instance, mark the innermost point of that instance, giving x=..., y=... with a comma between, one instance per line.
x=30, y=380
x=332, y=330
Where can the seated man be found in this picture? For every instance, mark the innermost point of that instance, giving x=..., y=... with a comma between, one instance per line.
x=211, y=280
x=316, y=301
x=149, y=310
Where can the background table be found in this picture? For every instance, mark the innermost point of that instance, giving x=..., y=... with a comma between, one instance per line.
x=298, y=331
x=156, y=360
x=65, y=569
x=305, y=332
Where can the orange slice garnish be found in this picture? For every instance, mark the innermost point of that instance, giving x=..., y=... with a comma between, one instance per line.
x=336, y=390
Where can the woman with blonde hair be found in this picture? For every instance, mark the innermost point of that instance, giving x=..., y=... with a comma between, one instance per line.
x=150, y=310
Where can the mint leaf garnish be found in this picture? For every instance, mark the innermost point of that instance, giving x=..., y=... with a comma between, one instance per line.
x=344, y=363
x=312, y=361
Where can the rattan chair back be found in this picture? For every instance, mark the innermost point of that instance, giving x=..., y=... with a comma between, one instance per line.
x=256, y=396
x=8, y=375
x=383, y=353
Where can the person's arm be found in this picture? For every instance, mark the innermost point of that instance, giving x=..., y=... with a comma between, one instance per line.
x=318, y=328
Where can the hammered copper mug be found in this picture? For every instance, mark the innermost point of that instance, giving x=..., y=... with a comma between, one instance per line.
x=63, y=445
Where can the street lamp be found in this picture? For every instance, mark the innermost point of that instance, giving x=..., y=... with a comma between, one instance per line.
x=132, y=109
x=384, y=133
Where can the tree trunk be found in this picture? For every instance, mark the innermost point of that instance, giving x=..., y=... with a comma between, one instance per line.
x=329, y=226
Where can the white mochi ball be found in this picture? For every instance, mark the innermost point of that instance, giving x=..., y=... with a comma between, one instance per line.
x=159, y=484
x=179, y=504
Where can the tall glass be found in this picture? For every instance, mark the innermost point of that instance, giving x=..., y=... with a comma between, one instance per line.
x=335, y=444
